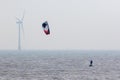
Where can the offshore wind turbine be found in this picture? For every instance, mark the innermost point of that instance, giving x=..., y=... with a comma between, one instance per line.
x=20, y=25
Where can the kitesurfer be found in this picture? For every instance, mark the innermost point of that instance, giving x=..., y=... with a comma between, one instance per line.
x=91, y=63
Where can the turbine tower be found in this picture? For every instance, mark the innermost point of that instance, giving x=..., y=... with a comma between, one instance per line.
x=20, y=25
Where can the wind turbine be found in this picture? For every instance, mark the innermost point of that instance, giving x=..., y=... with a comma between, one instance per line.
x=20, y=25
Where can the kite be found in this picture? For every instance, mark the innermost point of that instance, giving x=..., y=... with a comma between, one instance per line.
x=45, y=27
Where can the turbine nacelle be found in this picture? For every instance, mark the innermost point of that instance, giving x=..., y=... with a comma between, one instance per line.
x=19, y=22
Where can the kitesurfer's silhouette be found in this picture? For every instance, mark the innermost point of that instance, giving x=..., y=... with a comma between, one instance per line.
x=91, y=63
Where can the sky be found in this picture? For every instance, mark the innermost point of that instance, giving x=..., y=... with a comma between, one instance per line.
x=74, y=24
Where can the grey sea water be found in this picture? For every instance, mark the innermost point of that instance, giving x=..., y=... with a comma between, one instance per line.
x=59, y=65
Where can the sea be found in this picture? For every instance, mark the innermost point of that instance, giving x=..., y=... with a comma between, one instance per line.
x=59, y=65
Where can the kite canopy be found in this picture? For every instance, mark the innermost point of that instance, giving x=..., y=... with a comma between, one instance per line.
x=46, y=28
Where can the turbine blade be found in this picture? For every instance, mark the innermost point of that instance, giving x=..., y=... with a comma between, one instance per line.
x=18, y=19
x=23, y=16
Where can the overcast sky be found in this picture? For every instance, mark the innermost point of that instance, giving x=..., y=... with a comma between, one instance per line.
x=74, y=24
